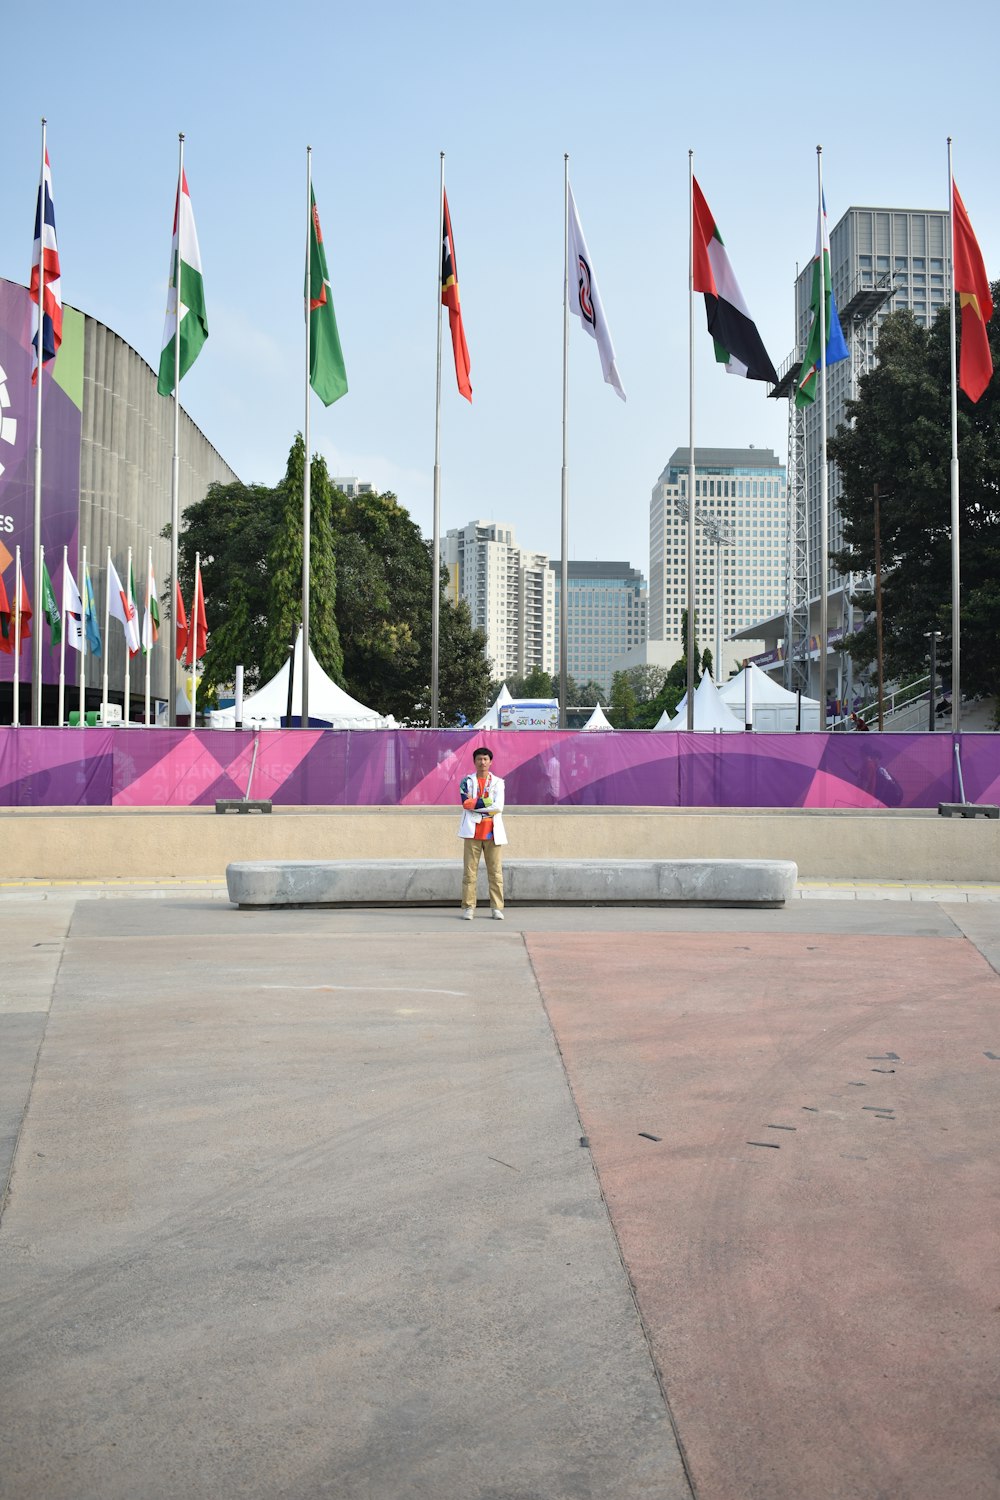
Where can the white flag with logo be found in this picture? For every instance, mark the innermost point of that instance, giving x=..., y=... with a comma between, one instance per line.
x=585, y=299
x=72, y=608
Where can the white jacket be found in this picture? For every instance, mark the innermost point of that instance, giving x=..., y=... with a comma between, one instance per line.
x=494, y=790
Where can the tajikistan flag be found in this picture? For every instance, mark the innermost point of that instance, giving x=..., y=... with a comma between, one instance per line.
x=185, y=267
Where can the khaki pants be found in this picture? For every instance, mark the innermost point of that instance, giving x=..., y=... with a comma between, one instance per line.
x=472, y=848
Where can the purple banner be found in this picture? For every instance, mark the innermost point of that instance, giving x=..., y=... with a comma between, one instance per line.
x=62, y=400
x=422, y=767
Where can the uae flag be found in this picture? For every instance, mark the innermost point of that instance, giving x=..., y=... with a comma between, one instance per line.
x=185, y=274
x=450, y=299
x=738, y=345
x=972, y=285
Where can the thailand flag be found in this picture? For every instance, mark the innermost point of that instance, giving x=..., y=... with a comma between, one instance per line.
x=45, y=267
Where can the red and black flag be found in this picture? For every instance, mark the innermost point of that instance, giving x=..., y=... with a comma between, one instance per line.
x=450, y=299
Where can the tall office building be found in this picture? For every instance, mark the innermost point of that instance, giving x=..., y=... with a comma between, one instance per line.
x=510, y=593
x=740, y=498
x=882, y=260
x=607, y=617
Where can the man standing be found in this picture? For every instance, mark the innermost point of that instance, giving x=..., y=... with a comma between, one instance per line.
x=482, y=830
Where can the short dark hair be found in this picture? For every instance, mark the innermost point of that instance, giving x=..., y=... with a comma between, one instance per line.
x=483, y=750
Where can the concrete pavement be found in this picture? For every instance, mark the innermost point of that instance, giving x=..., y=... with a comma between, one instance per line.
x=379, y=1204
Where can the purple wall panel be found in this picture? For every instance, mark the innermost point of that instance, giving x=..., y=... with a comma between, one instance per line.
x=421, y=768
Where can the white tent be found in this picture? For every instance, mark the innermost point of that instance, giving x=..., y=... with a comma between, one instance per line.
x=598, y=720
x=491, y=718
x=329, y=705
x=710, y=713
x=773, y=708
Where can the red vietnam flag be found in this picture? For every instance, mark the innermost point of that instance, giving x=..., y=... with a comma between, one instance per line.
x=973, y=288
x=450, y=300
x=199, y=624
x=25, y=626
x=182, y=624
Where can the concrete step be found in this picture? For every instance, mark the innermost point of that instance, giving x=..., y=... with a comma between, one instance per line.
x=534, y=882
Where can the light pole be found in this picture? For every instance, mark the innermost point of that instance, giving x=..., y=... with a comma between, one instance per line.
x=933, y=636
x=718, y=533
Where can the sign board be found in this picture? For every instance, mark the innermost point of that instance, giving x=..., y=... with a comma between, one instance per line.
x=542, y=713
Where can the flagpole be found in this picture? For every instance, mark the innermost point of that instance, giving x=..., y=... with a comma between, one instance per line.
x=824, y=519
x=84, y=644
x=564, y=536
x=107, y=644
x=149, y=616
x=36, y=653
x=62, y=644
x=175, y=469
x=691, y=461
x=128, y=654
x=193, y=636
x=956, y=597
x=436, y=543
x=16, y=715
x=307, y=476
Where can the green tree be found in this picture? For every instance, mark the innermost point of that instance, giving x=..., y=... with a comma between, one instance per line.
x=285, y=569
x=623, y=701
x=900, y=440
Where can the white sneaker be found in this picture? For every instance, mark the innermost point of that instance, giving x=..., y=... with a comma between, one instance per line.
x=468, y=912
x=497, y=914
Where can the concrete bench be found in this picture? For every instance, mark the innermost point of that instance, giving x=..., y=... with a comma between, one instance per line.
x=527, y=882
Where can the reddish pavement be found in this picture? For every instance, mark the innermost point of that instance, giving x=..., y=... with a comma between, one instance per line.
x=823, y=1305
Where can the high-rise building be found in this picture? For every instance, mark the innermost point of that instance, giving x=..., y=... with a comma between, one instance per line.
x=607, y=617
x=740, y=526
x=351, y=486
x=510, y=593
x=881, y=260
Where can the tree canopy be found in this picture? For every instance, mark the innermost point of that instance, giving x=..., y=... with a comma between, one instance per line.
x=900, y=441
x=369, y=594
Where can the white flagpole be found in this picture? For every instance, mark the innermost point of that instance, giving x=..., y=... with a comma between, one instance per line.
x=62, y=645
x=691, y=460
x=956, y=593
x=148, y=644
x=128, y=655
x=193, y=638
x=16, y=715
x=824, y=518
x=107, y=643
x=564, y=535
x=306, y=475
x=36, y=654
x=84, y=647
x=436, y=543
x=175, y=469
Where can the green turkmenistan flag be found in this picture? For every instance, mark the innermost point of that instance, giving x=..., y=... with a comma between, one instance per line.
x=50, y=609
x=327, y=375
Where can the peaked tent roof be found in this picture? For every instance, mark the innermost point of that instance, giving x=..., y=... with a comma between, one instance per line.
x=328, y=703
x=710, y=713
x=597, y=720
x=491, y=718
x=765, y=692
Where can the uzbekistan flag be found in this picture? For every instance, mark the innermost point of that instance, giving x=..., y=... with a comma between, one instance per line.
x=738, y=345
x=972, y=285
x=185, y=267
x=450, y=300
x=45, y=268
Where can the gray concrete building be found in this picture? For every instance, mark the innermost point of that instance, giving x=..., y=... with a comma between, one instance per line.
x=607, y=617
x=510, y=593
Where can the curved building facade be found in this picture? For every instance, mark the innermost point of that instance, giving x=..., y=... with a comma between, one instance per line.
x=107, y=449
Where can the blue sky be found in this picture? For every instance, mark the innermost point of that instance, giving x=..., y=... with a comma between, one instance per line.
x=378, y=92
